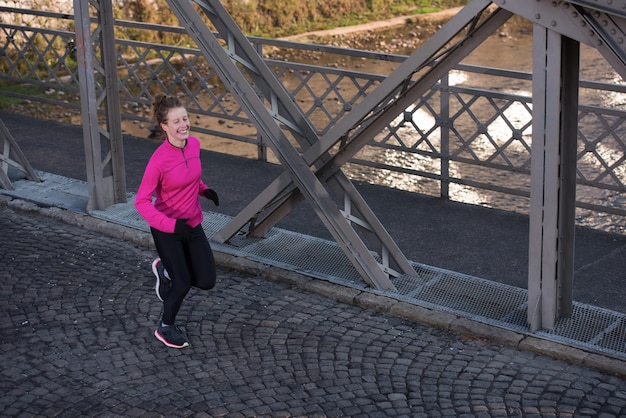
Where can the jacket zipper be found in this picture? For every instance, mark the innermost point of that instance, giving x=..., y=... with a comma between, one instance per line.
x=184, y=157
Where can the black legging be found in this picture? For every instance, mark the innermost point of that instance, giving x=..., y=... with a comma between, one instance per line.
x=189, y=262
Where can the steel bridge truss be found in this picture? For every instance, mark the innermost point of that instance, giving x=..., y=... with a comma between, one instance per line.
x=313, y=160
x=98, y=82
x=312, y=169
x=100, y=108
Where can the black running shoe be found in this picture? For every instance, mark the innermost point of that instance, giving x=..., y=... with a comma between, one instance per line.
x=163, y=282
x=171, y=336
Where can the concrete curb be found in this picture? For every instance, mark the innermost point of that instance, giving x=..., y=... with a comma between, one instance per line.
x=368, y=300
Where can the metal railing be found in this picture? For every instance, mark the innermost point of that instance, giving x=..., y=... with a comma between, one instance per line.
x=469, y=143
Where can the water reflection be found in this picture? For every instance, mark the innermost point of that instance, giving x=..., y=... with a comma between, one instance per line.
x=492, y=132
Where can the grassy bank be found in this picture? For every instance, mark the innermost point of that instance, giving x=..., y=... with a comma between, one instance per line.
x=278, y=18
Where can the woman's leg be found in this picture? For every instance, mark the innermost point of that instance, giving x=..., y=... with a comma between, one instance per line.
x=201, y=260
x=174, y=255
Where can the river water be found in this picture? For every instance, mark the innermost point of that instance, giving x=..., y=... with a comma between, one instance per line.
x=510, y=49
x=515, y=53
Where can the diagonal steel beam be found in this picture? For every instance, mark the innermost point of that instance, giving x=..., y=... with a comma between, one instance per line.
x=475, y=36
x=382, y=94
x=611, y=7
x=289, y=194
x=611, y=31
x=477, y=32
x=285, y=111
x=239, y=49
x=249, y=100
x=19, y=161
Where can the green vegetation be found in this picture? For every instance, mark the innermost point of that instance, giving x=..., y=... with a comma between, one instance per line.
x=276, y=18
x=24, y=89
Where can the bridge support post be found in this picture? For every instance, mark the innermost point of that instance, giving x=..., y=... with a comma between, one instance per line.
x=553, y=178
x=106, y=178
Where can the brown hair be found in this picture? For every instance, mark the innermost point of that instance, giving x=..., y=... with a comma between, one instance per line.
x=162, y=104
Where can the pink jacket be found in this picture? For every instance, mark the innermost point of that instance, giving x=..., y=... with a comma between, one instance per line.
x=175, y=176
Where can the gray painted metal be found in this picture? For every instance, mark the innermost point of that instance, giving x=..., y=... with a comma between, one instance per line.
x=105, y=173
x=601, y=24
x=12, y=156
x=555, y=104
x=285, y=111
x=338, y=137
x=552, y=216
x=398, y=95
x=113, y=170
x=617, y=8
x=570, y=57
x=308, y=184
x=350, y=134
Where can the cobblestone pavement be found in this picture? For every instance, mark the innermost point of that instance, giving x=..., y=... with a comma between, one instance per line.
x=77, y=340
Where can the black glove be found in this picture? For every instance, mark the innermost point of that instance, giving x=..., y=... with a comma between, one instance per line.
x=183, y=228
x=212, y=195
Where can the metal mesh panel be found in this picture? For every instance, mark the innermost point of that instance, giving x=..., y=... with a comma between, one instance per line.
x=470, y=295
x=593, y=328
x=53, y=191
x=124, y=214
x=305, y=254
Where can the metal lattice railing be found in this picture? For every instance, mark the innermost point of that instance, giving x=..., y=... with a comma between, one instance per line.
x=457, y=140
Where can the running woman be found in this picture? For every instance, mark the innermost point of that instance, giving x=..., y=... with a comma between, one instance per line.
x=174, y=176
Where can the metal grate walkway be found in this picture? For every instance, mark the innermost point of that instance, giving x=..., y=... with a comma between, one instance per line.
x=591, y=328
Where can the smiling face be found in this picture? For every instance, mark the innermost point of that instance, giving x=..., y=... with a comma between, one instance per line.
x=177, y=125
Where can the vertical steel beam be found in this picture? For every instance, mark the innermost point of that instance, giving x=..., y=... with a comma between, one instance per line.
x=553, y=177
x=446, y=124
x=114, y=170
x=88, y=105
x=105, y=176
x=570, y=57
x=543, y=187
